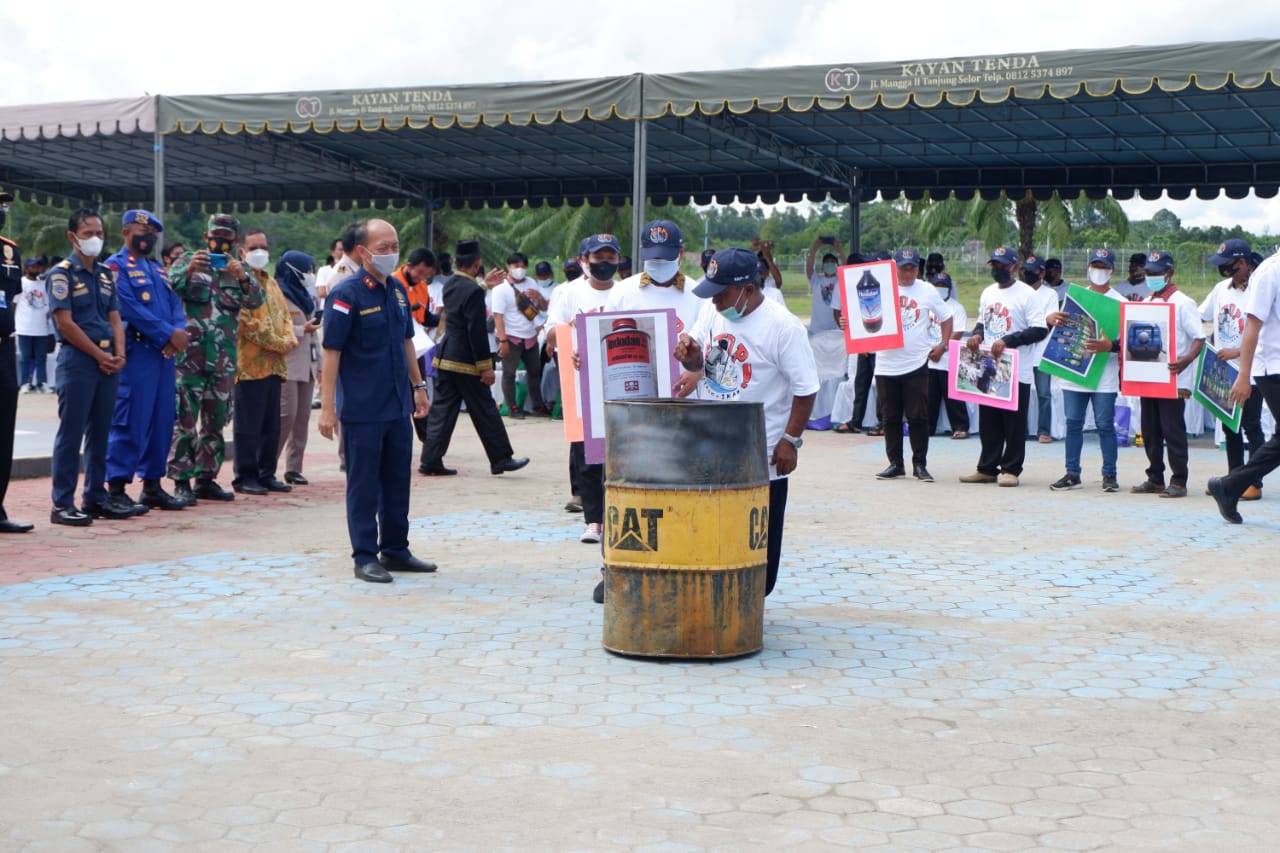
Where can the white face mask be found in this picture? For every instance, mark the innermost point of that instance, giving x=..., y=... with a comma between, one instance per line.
x=309, y=280
x=828, y=269
x=91, y=247
x=385, y=264
x=258, y=258
x=662, y=271
x=515, y=273
x=1099, y=276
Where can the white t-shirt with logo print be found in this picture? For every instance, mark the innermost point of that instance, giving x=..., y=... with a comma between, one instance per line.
x=1188, y=330
x=630, y=295
x=1005, y=310
x=916, y=303
x=1224, y=308
x=764, y=357
x=574, y=298
x=959, y=323
x=823, y=289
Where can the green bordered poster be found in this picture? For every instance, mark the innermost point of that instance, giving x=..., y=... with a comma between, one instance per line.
x=1214, y=378
x=1088, y=313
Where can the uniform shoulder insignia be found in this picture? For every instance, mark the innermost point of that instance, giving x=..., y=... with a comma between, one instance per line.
x=58, y=285
x=63, y=265
x=5, y=241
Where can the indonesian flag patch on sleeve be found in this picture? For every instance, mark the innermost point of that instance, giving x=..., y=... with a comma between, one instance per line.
x=339, y=305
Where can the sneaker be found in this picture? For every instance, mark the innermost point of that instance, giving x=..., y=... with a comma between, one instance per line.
x=1068, y=481
x=27, y=389
x=590, y=534
x=978, y=477
x=922, y=474
x=1006, y=479
x=574, y=504
x=1110, y=484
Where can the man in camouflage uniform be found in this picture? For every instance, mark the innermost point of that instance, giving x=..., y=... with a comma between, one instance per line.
x=214, y=286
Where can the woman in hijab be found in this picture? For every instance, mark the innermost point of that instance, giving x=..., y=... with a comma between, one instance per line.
x=295, y=273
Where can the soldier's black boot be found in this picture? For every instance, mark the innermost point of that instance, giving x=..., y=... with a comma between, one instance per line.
x=182, y=491
x=156, y=497
x=117, y=497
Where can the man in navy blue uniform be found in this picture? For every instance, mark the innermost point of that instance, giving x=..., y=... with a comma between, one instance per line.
x=82, y=293
x=155, y=330
x=371, y=385
x=10, y=288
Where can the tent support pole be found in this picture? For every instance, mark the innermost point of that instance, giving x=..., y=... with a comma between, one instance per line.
x=855, y=213
x=158, y=154
x=639, y=179
x=428, y=220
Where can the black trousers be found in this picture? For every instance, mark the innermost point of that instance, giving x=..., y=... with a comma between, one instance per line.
x=1250, y=428
x=862, y=377
x=8, y=415
x=777, y=512
x=589, y=481
x=957, y=411
x=1164, y=425
x=1267, y=457
x=256, y=427
x=907, y=395
x=452, y=390
x=1004, y=435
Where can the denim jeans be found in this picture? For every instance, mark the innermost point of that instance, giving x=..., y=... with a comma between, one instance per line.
x=1075, y=404
x=1044, y=402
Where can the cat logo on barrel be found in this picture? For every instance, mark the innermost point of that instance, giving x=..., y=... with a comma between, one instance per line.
x=626, y=532
x=759, y=528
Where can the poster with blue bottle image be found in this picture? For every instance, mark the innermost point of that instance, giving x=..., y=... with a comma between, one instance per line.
x=869, y=307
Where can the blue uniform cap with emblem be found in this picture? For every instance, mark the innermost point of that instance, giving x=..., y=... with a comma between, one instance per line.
x=727, y=268
x=597, y=242
x=906, y=258
x=1158, y=262
x=1105, y=257
x=1033, y=263
x=1231, y=250
x=1003, y=255
x=143, y=216
x=661, y=240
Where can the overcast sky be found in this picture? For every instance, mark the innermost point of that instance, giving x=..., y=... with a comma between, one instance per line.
x=77, y=50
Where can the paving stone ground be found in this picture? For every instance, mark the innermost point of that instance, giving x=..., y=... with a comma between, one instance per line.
x=946, y=667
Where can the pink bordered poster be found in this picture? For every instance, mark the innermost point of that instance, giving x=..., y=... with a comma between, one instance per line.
x=869, y=303
x=622, y=355
x=977, y=376
x=1148, y=343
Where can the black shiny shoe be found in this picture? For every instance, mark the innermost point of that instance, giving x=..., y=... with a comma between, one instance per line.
x=922, y=474
x=111, y=509
x=69, y=516
x=182, y=492
x=892, y=472
x=513, y=464
x=155, y=497
x=249, y=488
x=274, y=485
x=373, y=573
x=8, y=525
x=436, y=471
x=296, y=479
x=208, y=490
x=405, y=564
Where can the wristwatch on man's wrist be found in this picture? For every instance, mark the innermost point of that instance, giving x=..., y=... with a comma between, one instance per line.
x=421, y=386
x=795, y=440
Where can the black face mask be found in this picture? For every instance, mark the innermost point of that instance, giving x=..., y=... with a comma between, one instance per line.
x=142, y=244
x=1030, y=277
x=572, y=274
x=220, y=245
x=1227, y=270
x=1001, y=275
x=603, y=270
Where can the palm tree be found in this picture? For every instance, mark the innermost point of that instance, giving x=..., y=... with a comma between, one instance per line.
x=996, y=221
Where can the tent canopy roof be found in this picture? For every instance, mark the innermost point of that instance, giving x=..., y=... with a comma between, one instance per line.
x=1195, y=118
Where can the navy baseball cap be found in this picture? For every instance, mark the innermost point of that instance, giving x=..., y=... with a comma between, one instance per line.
x=1033, y=263
x=143, y=216
x=906, y=257
x=596, y=242
x=1003, y=255
x=661, y=240
x=542, y=268
x=1053, y=264
x=1159, y=262
x=727, y=268
x=1103, y=256
x=572, y=263
x=707, y=254
x=1231, y=250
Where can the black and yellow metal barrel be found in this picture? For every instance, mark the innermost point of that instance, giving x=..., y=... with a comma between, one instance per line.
x=686, y=528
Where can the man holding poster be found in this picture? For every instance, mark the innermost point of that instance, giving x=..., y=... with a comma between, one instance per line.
x=1261, y=346
x=1163, y=421
x=902, y=374
x=1009, y=315
x=1076, y=399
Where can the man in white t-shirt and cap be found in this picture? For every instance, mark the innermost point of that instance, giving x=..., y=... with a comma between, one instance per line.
x=1259, y=346
x=771, y=346
x=902, y=374
x=1009, y=315
x=1076, y=399
x=823, y=283
x=1224, y=309
x=661, y=284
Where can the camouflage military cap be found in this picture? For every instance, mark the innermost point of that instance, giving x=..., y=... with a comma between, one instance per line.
x=224, y=222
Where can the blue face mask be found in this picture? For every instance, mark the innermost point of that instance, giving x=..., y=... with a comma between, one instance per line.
x=1155, y=285
x=734, y=313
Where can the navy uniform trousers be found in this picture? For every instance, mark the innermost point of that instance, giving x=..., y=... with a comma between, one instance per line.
x=379, y=462
x=8, y=415
x=142, y=426
x=86, y=400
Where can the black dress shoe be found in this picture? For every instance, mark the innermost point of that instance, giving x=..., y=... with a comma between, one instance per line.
x=109, y=509
x=8, y=525
x=274, y=485
x=157, y=498
x=182, y=492
x=296, y=479
x=436, y=471
x=208, y=490
x=513, y=464
x=892, y=472
x=248, y=488
x=373, y=573
x=922, y=474
x=69, y=516
x=405, y=564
